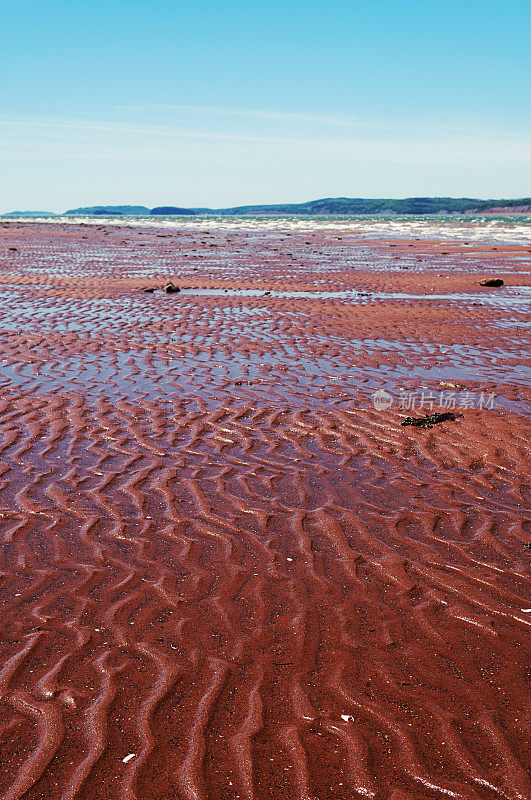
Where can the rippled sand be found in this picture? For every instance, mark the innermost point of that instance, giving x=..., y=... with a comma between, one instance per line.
x=225, y=574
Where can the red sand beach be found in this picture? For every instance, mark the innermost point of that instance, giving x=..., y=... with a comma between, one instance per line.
x=227, y=575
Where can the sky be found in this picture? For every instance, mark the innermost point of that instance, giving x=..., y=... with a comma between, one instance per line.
x=231, y=103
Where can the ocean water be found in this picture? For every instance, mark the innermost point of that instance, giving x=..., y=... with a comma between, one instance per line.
x=507, y=229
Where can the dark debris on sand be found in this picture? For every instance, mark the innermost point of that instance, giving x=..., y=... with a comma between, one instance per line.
x=429, y=420
x=491, y=282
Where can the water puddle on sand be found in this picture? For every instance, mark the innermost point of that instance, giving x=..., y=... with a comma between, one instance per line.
x=506, y=297
x=284, y=369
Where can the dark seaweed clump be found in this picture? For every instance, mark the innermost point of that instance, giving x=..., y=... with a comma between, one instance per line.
x=430, y=420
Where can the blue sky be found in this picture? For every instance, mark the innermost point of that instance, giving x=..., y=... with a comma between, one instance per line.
x=222, y=103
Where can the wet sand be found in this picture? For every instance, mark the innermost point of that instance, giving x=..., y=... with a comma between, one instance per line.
x=225, y=573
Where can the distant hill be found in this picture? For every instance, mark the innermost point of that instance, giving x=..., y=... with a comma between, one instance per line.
x=105, y=211
x=412, y=205
x=168, y=210
x=29, y=214
x=325, y=206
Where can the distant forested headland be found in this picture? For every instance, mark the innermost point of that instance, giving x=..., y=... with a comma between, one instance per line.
x=326, y=206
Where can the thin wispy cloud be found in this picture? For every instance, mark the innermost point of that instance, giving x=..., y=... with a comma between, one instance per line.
x=325, y=118
x=472, y=124
x=429, y=131
x=212, y=157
